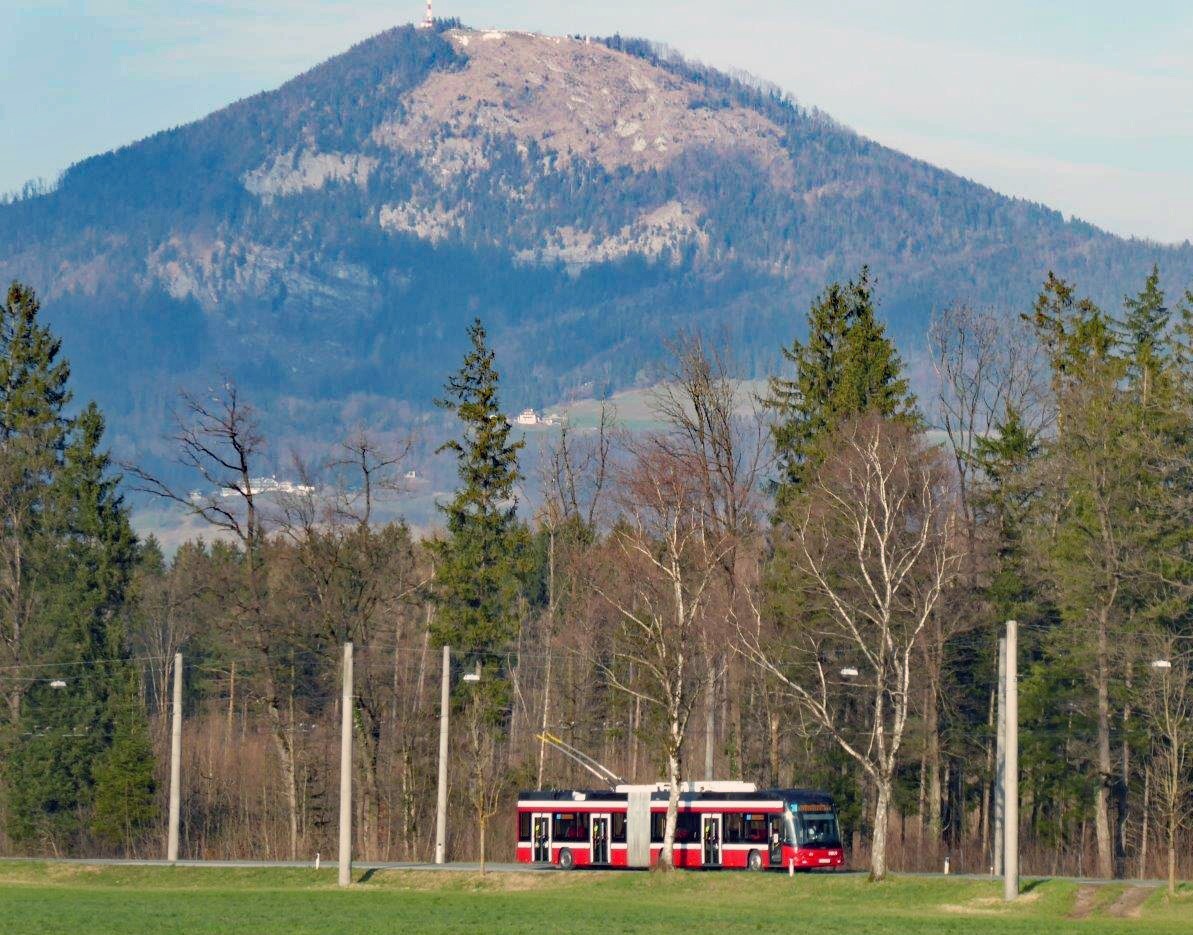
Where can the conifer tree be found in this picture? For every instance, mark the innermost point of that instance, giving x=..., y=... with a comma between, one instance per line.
x=846, y=367
x=478, y=566
x=33, y=393
x=1115, y=516
x=1145, y=327
x=123, y=777
x=67, y=527
x=1005, y=497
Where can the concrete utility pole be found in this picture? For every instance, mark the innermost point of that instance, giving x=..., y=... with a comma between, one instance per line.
x=346, y=770
x=1010, y=879
x=175, y=763
x=441, y=804
x=1000, y=759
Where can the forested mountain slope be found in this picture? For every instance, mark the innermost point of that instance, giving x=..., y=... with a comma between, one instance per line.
x=325, y=243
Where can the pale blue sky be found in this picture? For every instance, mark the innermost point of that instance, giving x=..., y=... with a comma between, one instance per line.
x=1087, y=106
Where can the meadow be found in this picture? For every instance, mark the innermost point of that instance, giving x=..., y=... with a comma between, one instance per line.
x=49, y=899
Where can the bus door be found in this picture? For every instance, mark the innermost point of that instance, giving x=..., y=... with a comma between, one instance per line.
x=711, y=840
x=600, y=839
x=775, y=834
x=540, y=833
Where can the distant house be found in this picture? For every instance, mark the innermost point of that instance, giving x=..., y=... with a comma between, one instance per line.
x=527, y=417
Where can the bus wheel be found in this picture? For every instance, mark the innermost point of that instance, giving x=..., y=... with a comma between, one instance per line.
x=754, y=861
x=566, y=860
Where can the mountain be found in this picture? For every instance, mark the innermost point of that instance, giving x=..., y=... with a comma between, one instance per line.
x=325, y=243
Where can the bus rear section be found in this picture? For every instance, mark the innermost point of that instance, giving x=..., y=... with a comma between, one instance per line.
x=718, y=825
x=572, y=828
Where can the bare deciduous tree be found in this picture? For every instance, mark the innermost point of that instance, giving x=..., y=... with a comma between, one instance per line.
x=487, y=773
x=218, y=439
x=354, y=581
x=1166, y=706
x=987, y=364
x=668, y=562
x=575, y=473
x=715, y=427
x=872, y=546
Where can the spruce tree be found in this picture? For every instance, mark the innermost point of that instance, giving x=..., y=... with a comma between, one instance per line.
x=846, y=367
x=33, y=394
x=1144, y=327
x=1005, y=496
x=479, y=565
x=125, y=804
x=77, y=551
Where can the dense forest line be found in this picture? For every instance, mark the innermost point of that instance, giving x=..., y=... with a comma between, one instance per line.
x=802, y=589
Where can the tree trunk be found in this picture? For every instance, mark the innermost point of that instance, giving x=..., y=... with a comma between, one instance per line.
x=546, y=712
x=1144, y=822
x=285, y=749
x=1171, y=863
x=634, y=724
x=1102, y=800
x=667, y=857
x=882, y=805
x=231, y=701
x=932, y=764
x=710, y=705
x=987, y=785
x=284, y=743
x=1123, y=789
x=774, y=745
x=371, y=805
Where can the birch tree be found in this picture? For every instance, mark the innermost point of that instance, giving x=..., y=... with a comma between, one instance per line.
x=666, y=564
x=870, y=546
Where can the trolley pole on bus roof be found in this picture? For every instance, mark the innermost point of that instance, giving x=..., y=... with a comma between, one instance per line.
x=441, y=802
x=175, y=763
x=1010, y=813
x=345, y=863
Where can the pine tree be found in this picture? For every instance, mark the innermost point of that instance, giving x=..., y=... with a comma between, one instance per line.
x=846, y=367
x=478, y=566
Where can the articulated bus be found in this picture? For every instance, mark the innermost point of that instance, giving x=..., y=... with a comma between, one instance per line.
x=719, y=824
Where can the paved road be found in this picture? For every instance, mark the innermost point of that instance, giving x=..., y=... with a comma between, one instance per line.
x=365, y=865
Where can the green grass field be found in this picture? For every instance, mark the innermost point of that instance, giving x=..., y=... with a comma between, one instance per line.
x=48, y=899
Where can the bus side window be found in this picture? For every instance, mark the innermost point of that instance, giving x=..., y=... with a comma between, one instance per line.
x=524, y=826
x=617, y=831
x=569, y=826
x=733, y=827
x=756, y=829
x=657, y=821
x=687, y=826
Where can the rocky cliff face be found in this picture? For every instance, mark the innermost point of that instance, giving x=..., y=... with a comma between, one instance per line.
x=325, y=243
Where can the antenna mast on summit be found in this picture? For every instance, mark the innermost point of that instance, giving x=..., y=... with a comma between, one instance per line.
x=428, y=19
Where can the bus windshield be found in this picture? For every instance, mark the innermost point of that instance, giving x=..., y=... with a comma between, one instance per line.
x=817, y=830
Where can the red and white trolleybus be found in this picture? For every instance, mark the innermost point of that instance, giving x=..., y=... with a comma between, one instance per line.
x=719, y=824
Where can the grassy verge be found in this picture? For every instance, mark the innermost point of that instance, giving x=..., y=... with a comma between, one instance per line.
x=48, y=899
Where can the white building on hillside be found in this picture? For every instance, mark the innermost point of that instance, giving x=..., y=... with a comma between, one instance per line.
x=527, y=417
